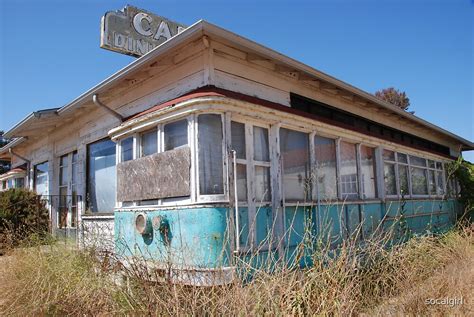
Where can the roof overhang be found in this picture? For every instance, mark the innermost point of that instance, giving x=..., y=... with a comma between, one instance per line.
x=4, y=151
x=33, y=123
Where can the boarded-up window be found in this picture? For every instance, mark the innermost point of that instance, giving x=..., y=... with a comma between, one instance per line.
x=156, y=176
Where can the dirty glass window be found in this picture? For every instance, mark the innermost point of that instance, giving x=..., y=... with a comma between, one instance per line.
x=262, y=184
x=126, y=146
x=402, y=165
x=239, y=146
x=440, y=184
x=418, y=175
x=389, y=174
x=403, y=177
x=261, y=165
x=294, y=149
x=149, y=143
x=210, y=154
x=101, y=176
x=63, y=186
x=41, y=178
x=238, y=139
x=260, y=144
x=325, y=168
x=418, y=181
x=19, y=182
x=242, y=182
x=176, y=134
x=367, y=166
x=348, y=170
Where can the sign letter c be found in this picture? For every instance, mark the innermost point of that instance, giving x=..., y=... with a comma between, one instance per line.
x=137, y=23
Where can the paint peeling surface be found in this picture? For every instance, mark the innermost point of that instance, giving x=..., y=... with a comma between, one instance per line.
x=198, y=237
x=161, y=175
x=185, y=237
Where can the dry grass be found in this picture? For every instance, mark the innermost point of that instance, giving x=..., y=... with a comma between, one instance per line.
x=369, y=279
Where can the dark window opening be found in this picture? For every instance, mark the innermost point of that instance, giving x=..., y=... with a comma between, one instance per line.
x=329, y=114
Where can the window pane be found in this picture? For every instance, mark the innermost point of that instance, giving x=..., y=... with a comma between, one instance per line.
x=149, y=142
x=262, y=184
x=63, y=175
x=431, y=164
x=210, y=154
x=388, y=155
x=63, y=202
x=403, y=174
x=19, y=182
x=41, y=178
x=101, y=176
x=242, y=182
x=389, y=176
x=148, y=202
x=127, y=149
x=418, y=161
x=326, y=167
x=349, y=185
x=418, y=181
x=402, y=158
x=260, y=144
x=439, y=165
x=367, y=165
x=74, y=168
x=294, y=147
x=238, y=139
x=432, y=182
x=176, y=134
x=439, y=175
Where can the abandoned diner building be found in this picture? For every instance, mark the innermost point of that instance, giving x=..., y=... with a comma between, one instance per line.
x=211, y=136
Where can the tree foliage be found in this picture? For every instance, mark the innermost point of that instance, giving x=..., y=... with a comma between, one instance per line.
x=4, y=165
x=394, y=96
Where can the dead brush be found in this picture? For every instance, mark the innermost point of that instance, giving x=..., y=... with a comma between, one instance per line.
x=351, y=277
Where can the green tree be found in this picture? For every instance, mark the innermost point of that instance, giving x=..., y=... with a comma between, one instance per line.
x=394, y=96
x=4, y=165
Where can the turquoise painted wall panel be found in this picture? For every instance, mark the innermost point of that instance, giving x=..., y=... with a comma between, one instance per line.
x=243, y=226
x=371, y=217
x=265, y=225
x=196, y=237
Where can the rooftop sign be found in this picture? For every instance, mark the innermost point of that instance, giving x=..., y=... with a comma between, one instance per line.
x=134, y=31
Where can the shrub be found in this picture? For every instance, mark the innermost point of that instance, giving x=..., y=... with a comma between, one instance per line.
x=22, y=213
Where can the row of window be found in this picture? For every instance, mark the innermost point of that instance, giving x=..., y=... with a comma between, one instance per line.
x=412, y=175
x=312, y=167
x=17, y=182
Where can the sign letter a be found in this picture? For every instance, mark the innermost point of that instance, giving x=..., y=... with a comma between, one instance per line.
x=163, y=30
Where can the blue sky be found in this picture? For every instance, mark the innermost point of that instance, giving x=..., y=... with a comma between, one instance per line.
x=50, y=51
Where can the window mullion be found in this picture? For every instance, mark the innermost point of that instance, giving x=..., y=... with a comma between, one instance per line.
x=192, y=137
x=250, y=185
x=338, y=168
x=359, y=172
x=312, y=167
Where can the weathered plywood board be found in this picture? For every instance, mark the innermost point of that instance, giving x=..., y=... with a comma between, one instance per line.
x=161, y=175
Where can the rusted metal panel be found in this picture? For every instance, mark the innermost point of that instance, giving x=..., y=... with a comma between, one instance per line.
x=161, y=175
x=134, y=31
